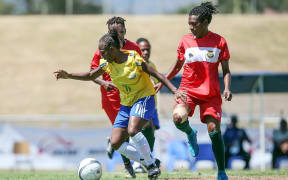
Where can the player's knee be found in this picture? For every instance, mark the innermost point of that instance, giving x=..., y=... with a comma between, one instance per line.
x=212, y=124
x=211, y=127
x=180, y=115
x=132, y=131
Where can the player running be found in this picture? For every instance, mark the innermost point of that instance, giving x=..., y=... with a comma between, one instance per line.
x=110, y=94
x=201, y=51
x=130, y=73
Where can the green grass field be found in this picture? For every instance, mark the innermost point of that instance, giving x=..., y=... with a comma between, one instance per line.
x=203, y=174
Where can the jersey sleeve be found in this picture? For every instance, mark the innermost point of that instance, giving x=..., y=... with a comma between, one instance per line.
x=138, y=60
x=181, y=51
x=103, y=64
x=224, y=54
x=95, y=61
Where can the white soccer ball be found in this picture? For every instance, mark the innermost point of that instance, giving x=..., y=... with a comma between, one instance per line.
x=90, y=169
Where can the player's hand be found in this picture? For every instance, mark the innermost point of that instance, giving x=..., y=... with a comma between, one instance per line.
x=61, y=74
x=181, y=95
x=158, y=86
x=227, y=95
x=109, y=86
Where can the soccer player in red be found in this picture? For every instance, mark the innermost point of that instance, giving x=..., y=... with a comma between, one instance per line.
x=110, y=94
x=201, y=52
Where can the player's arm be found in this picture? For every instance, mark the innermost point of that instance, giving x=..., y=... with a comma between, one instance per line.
x=150, y=70
x=177, y=66
x=227, y=80
x=84, y=76
x=172, y=72
x=108, y=85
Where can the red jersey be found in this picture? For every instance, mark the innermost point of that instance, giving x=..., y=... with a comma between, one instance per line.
x=111, y=96
x=201, y=59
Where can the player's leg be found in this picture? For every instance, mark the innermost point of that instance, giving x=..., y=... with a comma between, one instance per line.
x=111, y=112
x=141, y=112
x=119, y=144
x=121, y=122
x=180, y=118
x=148, y=132
x=210, y=113
x=214, y=131
x=112, y=106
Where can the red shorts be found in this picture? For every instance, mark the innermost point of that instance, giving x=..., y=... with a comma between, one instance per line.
x=209, y=107
x=111, y=104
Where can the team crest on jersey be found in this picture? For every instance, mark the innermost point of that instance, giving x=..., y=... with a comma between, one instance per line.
x=103, y=64
x=210, y=54
x=132, y=75
x=190, y=55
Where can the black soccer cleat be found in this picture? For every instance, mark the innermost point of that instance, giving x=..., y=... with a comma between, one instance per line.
x=130, y=173
x=153, y=171
x=109, y=149
x=158, y=162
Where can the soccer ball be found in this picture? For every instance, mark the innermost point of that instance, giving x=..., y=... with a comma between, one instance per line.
x=90, y=169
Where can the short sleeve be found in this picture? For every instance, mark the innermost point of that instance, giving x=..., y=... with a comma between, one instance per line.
x=103, y=64
x=138, y=60
x=181, y=51
x=95, y=61
x=224, y=54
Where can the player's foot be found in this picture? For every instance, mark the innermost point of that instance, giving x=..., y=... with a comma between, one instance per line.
x=138, y=168
x=158, y=162
x=192, y=143
x=129, y=170
x=153, y=171
x=222, y=175
x=109, y=149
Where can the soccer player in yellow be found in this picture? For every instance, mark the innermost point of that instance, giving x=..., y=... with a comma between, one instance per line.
x=148, y=130
x=131, y=74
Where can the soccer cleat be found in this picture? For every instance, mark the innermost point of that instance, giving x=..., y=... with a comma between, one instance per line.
x=138, y=168
x=153, y=171
x=192, y=143
x=129, y=170
x=109, y=149
x=158, y=162
x=222, y=175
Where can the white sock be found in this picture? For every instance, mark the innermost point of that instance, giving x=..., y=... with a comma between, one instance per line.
x=142, y=146
x=130, y=152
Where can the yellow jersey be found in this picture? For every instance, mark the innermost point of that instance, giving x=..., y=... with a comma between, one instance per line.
x=132, y=82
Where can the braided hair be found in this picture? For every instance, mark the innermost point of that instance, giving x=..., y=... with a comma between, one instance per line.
x=110, y=39
x=116, y=20
x=204, y=11
x=139, y=40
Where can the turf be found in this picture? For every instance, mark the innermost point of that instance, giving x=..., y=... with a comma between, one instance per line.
x=203, y=174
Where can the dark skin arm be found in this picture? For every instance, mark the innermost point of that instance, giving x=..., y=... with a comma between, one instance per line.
x=84, y=76
x=227, y=80
x=108, y=85
x=151, y=71
x=177, y=66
